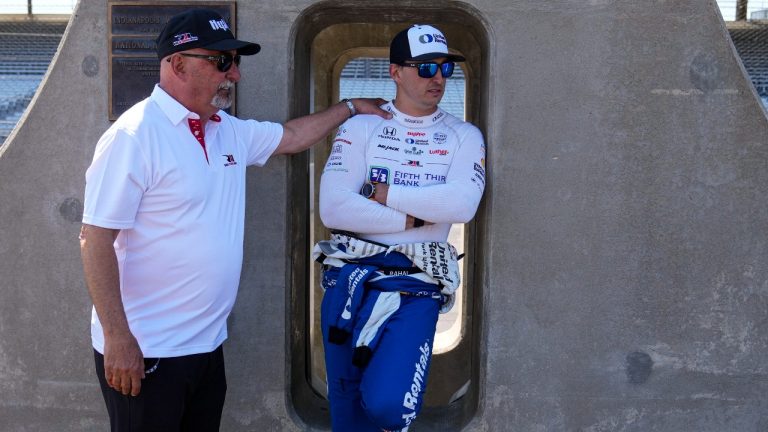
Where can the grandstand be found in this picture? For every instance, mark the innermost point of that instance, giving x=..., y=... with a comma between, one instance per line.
x=751, y=41
x=28, y=45
x=26, y=50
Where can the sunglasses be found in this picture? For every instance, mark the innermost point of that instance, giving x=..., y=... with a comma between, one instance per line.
x=223, y=61
x=428, y=70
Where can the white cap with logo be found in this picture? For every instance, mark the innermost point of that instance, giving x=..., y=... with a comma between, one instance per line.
x=420, y=42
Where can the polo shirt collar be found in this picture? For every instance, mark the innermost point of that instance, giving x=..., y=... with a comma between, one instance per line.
x=172, y=109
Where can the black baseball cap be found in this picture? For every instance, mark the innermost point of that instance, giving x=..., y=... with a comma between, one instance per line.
x=420, y=42
x=200, y=28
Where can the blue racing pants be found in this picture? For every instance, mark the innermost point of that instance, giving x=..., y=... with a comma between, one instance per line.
x=387, y=392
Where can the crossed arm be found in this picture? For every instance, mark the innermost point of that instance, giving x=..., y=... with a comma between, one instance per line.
x=395, y=208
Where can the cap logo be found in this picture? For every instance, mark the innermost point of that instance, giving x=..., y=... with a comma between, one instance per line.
x=183, y=38
x=429, y=38
x=218, y=24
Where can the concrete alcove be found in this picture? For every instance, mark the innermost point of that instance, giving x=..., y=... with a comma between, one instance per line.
x=625, y=286
x=327, y=35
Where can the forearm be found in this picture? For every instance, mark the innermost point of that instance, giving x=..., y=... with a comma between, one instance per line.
x=103, y=280
x=348, y=211
x=441, y=203
x=301, y=133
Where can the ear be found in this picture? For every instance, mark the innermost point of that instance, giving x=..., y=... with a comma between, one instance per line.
x=394, y=72
x=178, y=67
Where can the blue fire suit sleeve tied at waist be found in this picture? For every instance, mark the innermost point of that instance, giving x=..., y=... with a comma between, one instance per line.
x=364, y=297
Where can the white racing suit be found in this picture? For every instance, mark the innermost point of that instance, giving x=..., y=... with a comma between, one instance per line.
x=435, y=169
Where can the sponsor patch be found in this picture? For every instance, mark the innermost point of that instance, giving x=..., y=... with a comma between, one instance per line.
x=439, y=138
x=439, y=178
x=388, y=147
x=390, y=133
x=480, y=170
x=379, y=175
x=416, y=141
x=406, y=179
x=413, y=395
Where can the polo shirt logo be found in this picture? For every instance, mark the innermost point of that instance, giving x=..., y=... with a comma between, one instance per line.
x=230, y=160
x=218, y=24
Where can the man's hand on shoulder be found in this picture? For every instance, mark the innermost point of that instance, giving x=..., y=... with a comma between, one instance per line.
x=371, y=106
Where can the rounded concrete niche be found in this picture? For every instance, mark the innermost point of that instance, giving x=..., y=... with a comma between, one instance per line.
x=326, y=36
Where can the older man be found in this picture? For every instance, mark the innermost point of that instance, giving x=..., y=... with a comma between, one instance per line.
x=392, y=188
x=162, y=235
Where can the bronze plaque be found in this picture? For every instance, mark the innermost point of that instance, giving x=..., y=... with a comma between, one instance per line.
x=134, y=68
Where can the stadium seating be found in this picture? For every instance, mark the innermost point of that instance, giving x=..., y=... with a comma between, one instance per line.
x=26, y=50
x=751, y=41
x=27, y=47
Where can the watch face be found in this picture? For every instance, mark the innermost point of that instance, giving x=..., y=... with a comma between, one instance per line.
x=367, y=190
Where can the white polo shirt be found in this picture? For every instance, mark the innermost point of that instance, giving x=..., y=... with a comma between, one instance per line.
x=180, y=210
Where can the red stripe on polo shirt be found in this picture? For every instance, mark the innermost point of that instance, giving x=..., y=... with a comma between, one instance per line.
x=199, y=133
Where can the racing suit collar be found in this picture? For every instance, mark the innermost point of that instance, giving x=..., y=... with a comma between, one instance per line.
x=414, y=122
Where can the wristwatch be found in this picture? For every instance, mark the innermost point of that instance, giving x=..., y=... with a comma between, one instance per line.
x=351, y=106
x=368, y=190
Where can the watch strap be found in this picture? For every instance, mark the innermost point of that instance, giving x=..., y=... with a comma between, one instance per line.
x=351, y=106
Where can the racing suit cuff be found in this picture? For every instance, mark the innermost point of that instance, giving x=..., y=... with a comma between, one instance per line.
x=393, y=197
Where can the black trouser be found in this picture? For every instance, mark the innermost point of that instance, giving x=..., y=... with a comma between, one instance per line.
x=178, y=394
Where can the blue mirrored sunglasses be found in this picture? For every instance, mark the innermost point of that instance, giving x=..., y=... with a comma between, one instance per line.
x=428, y=70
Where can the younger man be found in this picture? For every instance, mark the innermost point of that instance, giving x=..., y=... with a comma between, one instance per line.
x=391, y=189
